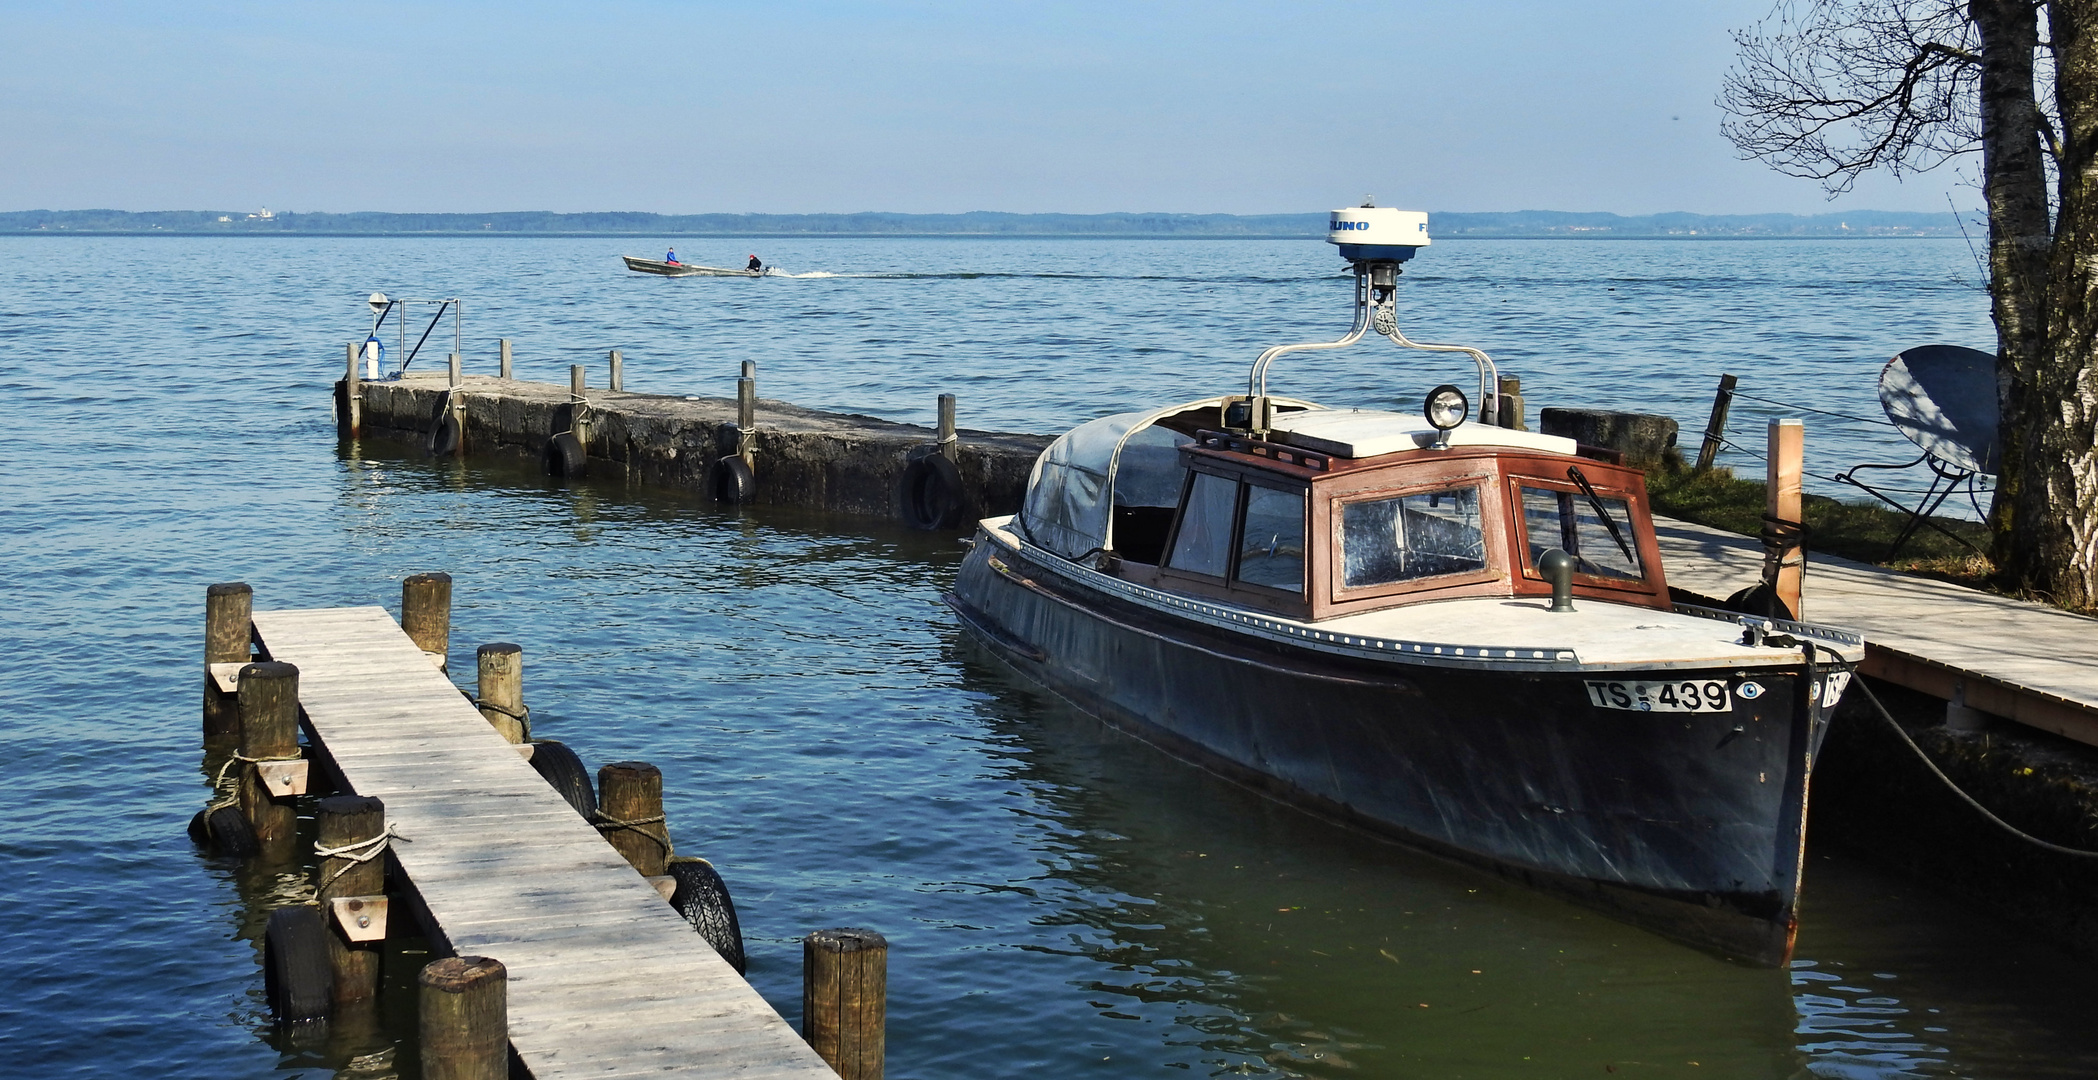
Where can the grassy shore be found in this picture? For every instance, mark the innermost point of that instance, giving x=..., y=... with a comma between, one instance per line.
x=1858, y=531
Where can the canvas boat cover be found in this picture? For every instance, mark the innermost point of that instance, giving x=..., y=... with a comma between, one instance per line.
x=1124, y=459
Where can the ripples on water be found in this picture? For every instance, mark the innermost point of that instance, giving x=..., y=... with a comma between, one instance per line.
x=1060, y=900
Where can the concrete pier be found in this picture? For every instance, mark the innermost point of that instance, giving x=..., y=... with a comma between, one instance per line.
x=838, y=462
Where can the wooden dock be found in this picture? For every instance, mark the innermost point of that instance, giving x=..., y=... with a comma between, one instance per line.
x=605, y=979
x=2026, y=662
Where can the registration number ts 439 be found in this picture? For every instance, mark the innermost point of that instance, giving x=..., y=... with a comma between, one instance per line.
x=1690, y=695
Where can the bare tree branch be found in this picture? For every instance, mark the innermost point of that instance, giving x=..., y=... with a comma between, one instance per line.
x=1829, y=89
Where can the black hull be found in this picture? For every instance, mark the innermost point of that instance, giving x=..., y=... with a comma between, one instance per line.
x=1688, y=824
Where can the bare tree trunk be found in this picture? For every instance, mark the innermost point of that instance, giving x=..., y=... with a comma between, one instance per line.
x=2054, y=548
x=2015, y=187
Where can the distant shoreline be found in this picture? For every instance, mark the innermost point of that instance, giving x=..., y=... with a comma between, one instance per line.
x=1524, y=224
x=681, y=237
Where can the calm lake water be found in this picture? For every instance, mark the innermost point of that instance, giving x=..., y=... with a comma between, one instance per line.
x=1059, y=900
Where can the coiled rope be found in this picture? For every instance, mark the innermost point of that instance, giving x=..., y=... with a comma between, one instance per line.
x=607, y=823
x=358, y=853
x=522, y=714
x=227, y=787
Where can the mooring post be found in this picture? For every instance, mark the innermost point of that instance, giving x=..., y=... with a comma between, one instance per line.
x=269, y=733
x=630, y=814
x=228, y=609
x=950, y=446
x=351, y=825
x=452, y=369
x=349, y=423
x=464, y=1019
x=617, y=381
x=1787, y=459
x=577, y=403
x=747, y=414
x=1715, y=428
x=502, y=347
x=844, y=1000
x=501, y=669
x=426, y=615
x=1511, y=398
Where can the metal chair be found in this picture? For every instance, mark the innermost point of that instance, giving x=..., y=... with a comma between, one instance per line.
x=1943, y=399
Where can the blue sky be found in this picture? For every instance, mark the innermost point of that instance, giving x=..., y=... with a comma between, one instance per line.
x=785, y=106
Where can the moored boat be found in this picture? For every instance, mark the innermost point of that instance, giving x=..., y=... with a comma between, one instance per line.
x=1447, y=632
x=679, y=269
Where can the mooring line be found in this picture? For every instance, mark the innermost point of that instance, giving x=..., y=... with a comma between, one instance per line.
x=1956, y=790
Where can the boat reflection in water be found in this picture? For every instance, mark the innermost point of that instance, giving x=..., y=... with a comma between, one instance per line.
x=1451, y=633
x=1209, y=928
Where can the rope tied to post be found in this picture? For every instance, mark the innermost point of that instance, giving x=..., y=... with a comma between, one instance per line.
x=1780, y=536
x=606, y=823
x=358, y=852
x=220, y=783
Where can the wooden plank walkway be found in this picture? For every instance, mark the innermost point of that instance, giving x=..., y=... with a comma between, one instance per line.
x=605, y=979
x=2026, y=662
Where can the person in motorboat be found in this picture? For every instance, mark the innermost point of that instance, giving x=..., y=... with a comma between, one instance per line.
x=671, y=257
x=755, y=266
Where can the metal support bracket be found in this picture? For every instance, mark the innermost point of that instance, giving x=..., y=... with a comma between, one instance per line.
x=283, y=778
x=227, y=676
x=361, y=918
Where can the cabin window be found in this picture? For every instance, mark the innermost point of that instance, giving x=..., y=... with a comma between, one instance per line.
x=1424, y=534
x=1203, y=544
x=1567, y=519
x=1271, y=551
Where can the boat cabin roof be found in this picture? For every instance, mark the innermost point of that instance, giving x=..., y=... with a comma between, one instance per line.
x=1339, y=511
x=1366, y=433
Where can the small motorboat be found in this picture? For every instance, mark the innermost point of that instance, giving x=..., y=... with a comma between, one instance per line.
x=1451, y=633
x=679, y=269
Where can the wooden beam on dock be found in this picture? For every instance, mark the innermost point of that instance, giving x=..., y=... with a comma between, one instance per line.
x=604, y=978
x=2027, y=662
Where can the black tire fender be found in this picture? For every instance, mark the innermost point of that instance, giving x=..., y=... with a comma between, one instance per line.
x=1760, y=599
x=564, y=772
x=702, y=898
x=565, y=457
x=733, y=482
x=224, y=831
x=444, y=438
x=297, y=974
x=930, y=494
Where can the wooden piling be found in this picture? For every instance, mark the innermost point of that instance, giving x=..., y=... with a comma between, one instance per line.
x=349, y=423
x=844, y=1000
x=630, y=814
x=1787, y=459
x=464, y=1015
x=355, y=822
x=503, y=369
x=452, y=369
x=1511, y=404
x=578, y=424
x=501, y=699
x=747, y=415
x=228, y=609
x=426, y=615
x=269, y=730
x=1715, y=428
x=950, y=448
x=617, y=379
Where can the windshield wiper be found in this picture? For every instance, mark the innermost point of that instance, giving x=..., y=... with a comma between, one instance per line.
x=1573, y=472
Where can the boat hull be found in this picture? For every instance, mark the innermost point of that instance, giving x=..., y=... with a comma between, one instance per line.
x=1689, y=824
x=666, y=269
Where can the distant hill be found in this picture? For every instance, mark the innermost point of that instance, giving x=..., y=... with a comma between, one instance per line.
x=1521, y=223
